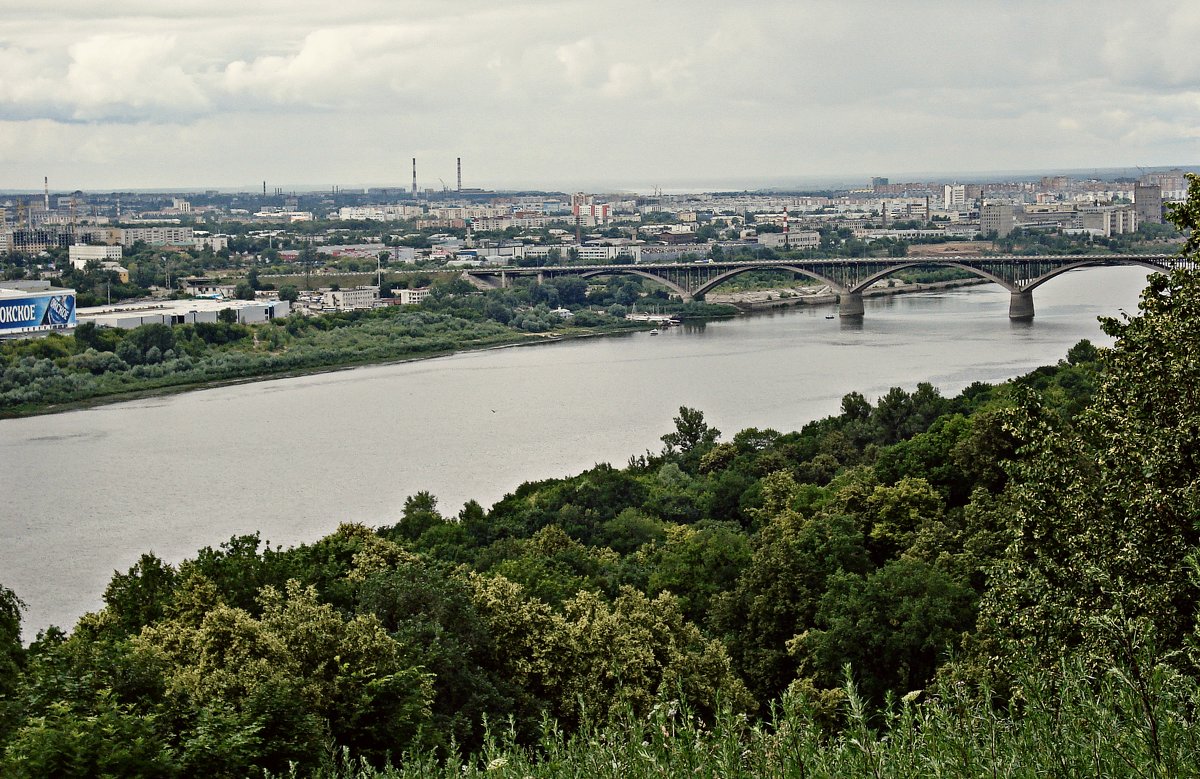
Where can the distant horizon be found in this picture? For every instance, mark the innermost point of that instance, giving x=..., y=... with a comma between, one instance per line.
x=749, y=184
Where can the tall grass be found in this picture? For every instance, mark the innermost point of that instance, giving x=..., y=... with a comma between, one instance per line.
x=1066, y=725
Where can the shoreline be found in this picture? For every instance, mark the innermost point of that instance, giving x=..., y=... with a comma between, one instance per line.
x=529, y=339
x=744, y=307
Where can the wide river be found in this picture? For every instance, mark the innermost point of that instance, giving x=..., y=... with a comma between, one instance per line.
x=86, y=492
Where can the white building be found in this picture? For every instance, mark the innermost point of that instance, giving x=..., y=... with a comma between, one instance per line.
x=411, y=297
x=1113, y=220
x=80, y=254
x=181, y=312
x=158, y=235
x=350, y=299
x=954, y=196
x=800, y=239
x=605, y=254
x=215, y=242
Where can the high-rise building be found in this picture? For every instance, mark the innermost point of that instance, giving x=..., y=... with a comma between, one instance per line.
x=997, y=218
x=1147, y=199
x=954, y=196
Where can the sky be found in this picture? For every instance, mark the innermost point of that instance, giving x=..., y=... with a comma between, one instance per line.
x=136, y=94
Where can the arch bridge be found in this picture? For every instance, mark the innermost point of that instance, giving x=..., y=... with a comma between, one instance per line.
x=1020, y=275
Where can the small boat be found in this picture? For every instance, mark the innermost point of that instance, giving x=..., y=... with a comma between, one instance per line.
x=654, y=331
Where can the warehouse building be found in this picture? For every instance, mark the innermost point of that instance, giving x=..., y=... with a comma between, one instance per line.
x=183, y=312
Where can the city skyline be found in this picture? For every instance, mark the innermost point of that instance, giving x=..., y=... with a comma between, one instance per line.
x=565, y=95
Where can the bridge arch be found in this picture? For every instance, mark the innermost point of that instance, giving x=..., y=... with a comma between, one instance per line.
x=632, y=271
x=1094, y=263
x=981, y=273
x=703, y=289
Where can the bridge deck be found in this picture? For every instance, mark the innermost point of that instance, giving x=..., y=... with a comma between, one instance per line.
x=1019, y=274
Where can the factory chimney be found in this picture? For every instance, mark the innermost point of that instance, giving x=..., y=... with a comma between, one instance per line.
x=414, y=178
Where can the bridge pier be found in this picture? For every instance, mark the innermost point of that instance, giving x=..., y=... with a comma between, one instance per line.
x=1020, y=304
x=850, y=304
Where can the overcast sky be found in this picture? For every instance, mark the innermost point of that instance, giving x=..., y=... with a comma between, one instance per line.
x=114, y=94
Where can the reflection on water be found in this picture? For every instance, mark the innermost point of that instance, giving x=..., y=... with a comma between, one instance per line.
x=88, y=491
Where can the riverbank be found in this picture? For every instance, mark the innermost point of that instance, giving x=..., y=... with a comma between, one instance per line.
x=163, y=385
x=164, y=390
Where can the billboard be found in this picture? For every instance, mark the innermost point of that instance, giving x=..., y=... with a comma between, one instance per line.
x=36, y=312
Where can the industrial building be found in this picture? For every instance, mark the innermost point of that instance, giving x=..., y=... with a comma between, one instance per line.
x=180, y=312
x=30, y=308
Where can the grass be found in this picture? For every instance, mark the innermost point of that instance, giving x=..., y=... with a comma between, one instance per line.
x=1072, y=724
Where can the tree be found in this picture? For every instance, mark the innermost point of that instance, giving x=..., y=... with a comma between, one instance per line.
x=691, y=434
x=289, y=293
x=243, y=291
x=778, y=594
x=298, y=674
x=11, y=654
x=1102, y=512
x=228, y=316
x=140, y=596
x=893, y=626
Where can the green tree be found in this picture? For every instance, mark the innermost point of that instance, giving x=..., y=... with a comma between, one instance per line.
x=778, y=594
x=697, y=563
x=140, y=596
x=692, y=434
x=1103, y=512
x=298, y=675
x=894, y=627
x=11, y=656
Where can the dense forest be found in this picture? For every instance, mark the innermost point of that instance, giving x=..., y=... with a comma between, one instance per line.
x=1004, y=582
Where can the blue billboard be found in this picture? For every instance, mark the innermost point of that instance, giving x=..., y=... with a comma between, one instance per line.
x=47, y=311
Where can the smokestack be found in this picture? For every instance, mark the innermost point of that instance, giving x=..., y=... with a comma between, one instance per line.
x=46, y=181
x=459, y=175
x=264, y=187
x=414, y=178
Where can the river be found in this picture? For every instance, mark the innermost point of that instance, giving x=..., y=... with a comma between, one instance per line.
x=86, y=492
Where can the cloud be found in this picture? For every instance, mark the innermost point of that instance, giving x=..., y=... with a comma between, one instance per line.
x=536, y=88
x=118, y=76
